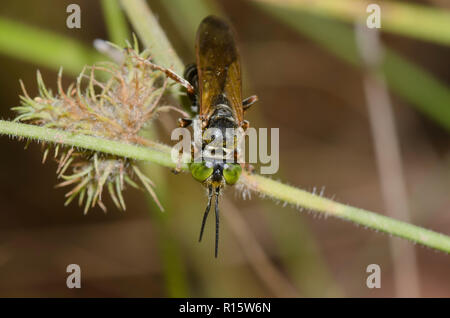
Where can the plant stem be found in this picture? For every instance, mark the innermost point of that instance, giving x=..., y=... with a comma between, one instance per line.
x=301, y=198
x=396, y=17
x=389, y=158
x=151, y=34
x=88, y=142
x=115, y=22
x=259, y=184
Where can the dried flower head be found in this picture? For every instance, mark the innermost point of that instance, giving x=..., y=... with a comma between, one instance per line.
x=108, y=100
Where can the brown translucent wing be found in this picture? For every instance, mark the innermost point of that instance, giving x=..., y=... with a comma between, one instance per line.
x=219, y=70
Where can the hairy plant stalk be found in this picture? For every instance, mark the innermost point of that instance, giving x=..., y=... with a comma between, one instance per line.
x=266, y=187
x=126, y=150
x=300, y=198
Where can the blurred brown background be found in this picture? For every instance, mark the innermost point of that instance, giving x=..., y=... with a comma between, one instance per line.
x=316, y=100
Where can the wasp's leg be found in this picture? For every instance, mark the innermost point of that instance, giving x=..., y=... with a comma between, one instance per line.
x=184, y=122
x=244, y=165
x=177, y=168
x=245, y=124
x=248, y=167
x=177, y=78
x=238, y=158
x=171, y=74
x=249, y=101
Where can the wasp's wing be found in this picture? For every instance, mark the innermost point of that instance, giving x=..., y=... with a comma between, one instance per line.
x=219, y=70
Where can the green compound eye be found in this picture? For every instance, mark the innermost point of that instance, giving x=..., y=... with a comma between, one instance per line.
x=200, y=171
x=232, y=173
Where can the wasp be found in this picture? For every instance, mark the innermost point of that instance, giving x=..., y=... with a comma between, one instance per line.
x=214, y=87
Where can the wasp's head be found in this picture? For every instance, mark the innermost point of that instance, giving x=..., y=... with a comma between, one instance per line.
x=215, y=173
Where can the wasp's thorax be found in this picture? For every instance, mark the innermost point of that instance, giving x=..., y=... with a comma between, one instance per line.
x=217, y=167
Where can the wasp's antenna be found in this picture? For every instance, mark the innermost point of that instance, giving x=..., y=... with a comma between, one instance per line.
x=217, y=221
x=205, y=216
